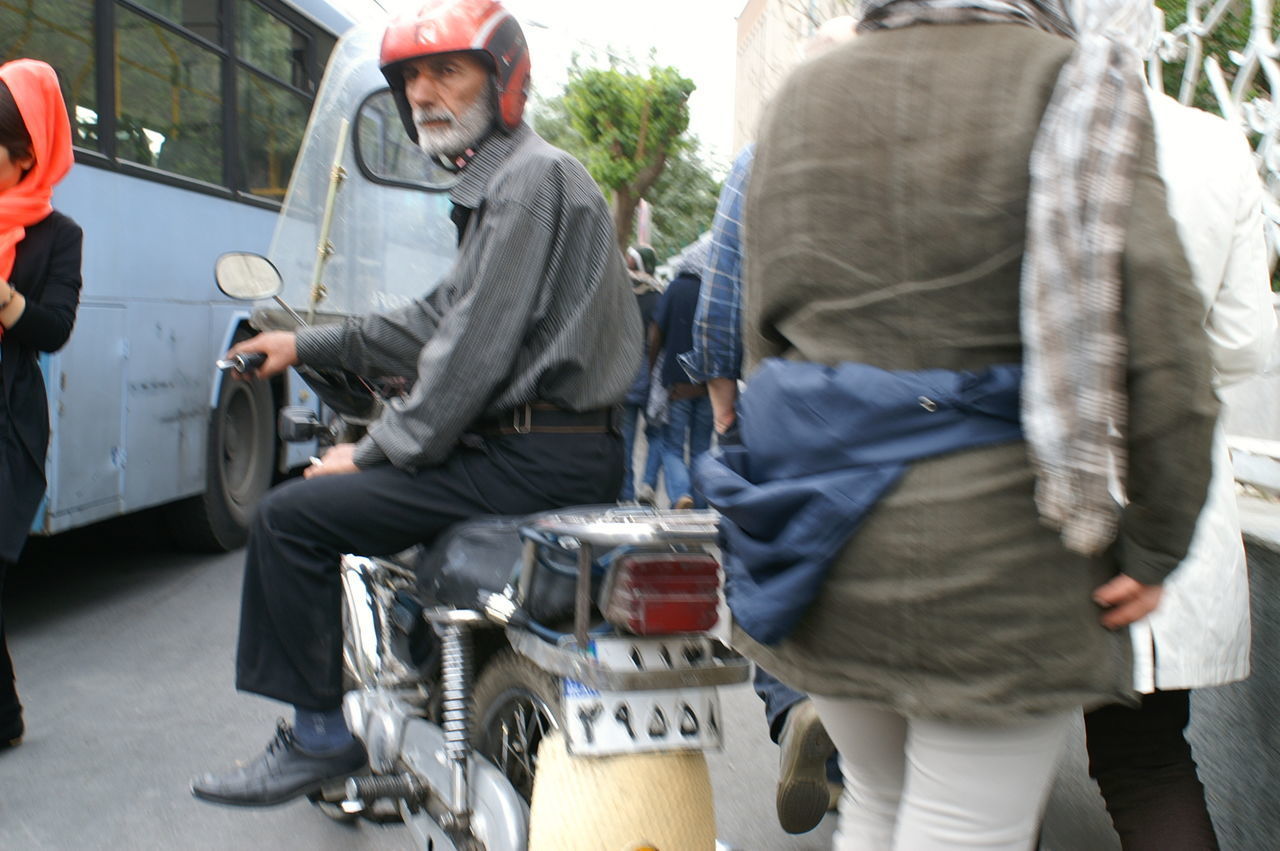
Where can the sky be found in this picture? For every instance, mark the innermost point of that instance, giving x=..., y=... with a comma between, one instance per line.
x=698, y=37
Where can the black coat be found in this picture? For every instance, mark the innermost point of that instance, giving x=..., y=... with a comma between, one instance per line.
x=46, y=271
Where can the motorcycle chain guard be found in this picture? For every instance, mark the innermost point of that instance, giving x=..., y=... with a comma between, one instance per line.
x=499, y=816
x=397, y=740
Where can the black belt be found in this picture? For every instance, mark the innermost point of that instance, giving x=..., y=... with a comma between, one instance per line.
x=545, y=418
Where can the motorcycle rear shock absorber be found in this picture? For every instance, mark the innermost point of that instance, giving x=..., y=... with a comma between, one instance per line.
x=456, y=705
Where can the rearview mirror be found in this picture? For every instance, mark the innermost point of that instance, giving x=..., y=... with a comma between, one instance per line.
x=246, y=276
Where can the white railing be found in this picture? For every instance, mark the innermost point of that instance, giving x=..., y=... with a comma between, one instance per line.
x=1242, y=93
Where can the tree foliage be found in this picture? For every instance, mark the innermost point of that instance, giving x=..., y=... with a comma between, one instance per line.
x=683, y=198
x=551, y=122
x=683, y=201
x=629, y=125
x=1228, y=37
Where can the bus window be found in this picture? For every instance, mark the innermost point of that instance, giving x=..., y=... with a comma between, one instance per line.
x=272, y=99
x=198, y=16
x=272, y=119
x=271, y=45
x=169, y=97
x=60, y=34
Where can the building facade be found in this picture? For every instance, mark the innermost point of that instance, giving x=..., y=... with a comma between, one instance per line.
x=771, y=39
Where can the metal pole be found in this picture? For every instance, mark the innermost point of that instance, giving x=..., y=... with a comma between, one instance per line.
x=324, y=248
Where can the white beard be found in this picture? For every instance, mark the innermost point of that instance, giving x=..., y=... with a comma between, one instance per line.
x=462, y=132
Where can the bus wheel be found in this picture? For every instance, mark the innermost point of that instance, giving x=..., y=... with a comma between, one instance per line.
x=239, y=465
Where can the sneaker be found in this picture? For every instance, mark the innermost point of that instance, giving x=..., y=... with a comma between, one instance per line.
x=683, y=503
x=804, y=795
x=282, y=772
x=645, y=495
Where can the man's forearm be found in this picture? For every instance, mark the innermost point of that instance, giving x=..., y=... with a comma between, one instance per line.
x=724, y=396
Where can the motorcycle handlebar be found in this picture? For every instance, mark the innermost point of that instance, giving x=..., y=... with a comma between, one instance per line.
x=243, y=363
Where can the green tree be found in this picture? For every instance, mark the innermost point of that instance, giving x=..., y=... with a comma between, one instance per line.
x=551, y=122
x=630, y=126
x=683, y=198
x=683, y=201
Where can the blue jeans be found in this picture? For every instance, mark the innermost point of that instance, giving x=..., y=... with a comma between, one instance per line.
x=631, y=415
x=778, y=699
x=688, y=428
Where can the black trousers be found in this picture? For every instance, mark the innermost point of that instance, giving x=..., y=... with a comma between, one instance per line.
x=291, y=610
x=10, y=708
x=1142, y=762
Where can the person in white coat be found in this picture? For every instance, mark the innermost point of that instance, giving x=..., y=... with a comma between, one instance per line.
x=1199, y=635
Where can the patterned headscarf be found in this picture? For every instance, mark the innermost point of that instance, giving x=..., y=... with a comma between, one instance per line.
x=1082, y=167
x=1135, y=24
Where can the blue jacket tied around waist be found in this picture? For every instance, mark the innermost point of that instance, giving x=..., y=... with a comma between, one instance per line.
x=819, y=446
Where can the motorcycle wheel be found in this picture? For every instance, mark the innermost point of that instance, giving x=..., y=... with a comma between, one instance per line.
x=661, y=801
x=517, y=705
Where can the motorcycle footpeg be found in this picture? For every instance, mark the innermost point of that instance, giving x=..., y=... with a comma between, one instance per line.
x=333, y=792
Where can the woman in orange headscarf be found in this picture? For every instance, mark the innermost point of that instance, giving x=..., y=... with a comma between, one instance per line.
x=39, y=293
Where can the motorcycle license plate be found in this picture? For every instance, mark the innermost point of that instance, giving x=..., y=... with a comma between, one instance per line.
x=600, y=723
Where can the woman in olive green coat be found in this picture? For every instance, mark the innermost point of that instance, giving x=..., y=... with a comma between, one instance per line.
x=886, y=225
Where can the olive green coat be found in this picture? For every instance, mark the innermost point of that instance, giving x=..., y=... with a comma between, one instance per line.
x=885, y=224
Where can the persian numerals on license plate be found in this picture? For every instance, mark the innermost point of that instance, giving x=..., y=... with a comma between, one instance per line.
x=599, y=723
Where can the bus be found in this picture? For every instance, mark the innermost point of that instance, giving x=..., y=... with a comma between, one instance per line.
x=187, y=116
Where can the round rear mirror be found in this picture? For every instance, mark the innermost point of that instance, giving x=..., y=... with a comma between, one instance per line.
x=246, y=276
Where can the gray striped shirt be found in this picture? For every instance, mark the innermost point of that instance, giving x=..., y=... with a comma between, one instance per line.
x=536, y=307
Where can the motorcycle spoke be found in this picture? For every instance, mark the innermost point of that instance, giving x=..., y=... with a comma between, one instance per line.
x=522, y=749
x=513, y=731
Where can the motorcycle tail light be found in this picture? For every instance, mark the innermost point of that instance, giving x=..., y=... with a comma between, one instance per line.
x=663, y=593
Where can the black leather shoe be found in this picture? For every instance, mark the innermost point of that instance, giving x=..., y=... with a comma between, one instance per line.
x=11, y=734
x=282, y=772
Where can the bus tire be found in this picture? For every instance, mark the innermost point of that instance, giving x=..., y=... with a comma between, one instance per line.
x=239, y=465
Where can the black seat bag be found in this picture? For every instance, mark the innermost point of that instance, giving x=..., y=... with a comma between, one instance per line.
x=478, y=555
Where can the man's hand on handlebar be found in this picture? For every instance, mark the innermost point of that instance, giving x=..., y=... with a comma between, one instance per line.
x=335, y=461
x=278, y=346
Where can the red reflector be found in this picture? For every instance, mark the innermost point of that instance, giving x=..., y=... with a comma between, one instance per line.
x=662, y=593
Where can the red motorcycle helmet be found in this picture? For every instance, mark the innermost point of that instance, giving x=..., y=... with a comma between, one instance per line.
x=450, y=26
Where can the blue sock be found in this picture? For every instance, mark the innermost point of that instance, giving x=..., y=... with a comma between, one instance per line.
x=321, y=732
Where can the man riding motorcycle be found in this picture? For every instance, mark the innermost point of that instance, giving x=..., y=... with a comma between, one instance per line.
x=517, y=359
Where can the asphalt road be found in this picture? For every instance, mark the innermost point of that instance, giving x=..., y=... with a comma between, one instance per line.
x=124, y=656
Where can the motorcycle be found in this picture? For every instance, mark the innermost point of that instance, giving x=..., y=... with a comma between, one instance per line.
x=545, y=682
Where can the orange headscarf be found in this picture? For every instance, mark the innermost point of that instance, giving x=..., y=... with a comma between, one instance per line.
x=34, y=86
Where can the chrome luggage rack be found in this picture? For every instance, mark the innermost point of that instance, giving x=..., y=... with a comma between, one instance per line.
x=589, y=530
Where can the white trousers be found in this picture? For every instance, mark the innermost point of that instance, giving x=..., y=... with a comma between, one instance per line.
x=915, y=785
